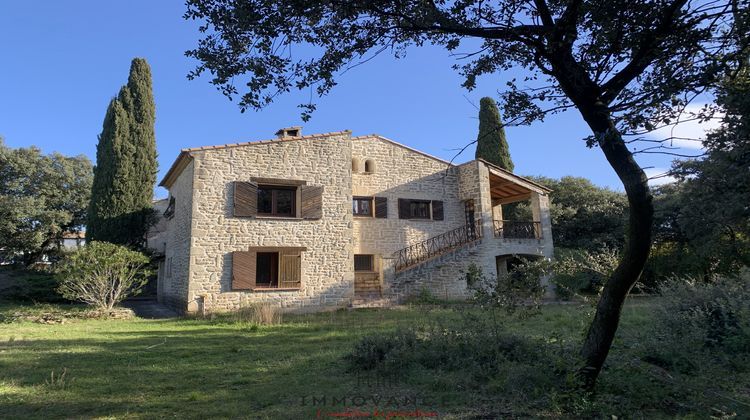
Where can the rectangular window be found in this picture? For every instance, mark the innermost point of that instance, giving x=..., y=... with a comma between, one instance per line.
x=263, y=268
x=419, y=209
x=363, y=262
x=276, y=201
x=362, y=206
x=267, y=269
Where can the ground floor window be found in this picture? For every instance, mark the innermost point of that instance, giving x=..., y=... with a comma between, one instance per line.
x=363, y=262
x=267, y=268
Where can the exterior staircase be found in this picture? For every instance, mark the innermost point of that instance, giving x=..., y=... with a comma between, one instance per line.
x=419, y=253
x=367, y=286
x=367, y=291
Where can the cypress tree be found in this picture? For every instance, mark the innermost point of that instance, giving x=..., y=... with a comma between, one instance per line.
x=491, y=143
x=120, y=210
x=138, y=99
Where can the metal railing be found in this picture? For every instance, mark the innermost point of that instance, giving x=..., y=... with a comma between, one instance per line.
x=437, y=245
x=510, y=229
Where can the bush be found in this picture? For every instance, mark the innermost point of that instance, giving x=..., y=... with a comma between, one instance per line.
x=695, y=320
x=25, y=285
x=519, y=291
x=582, y=272
x=476, y=348
x=102, y=274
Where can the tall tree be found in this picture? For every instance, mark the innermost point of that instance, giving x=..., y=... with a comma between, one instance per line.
x=491, y=143
x=120, y=210
x=715, y=191
x=41, y=197
x=625, y=65
x=584, y=216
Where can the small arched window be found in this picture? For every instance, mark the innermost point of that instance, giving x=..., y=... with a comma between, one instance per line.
x=369, y=166
x=355, y=165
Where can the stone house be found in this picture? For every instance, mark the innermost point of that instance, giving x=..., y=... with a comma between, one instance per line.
x=310, y=222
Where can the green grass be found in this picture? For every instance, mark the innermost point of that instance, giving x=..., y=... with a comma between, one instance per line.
x=192, y=368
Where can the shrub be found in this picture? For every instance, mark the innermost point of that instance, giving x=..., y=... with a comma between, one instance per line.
x=28, y=285
x=519, y=291
x=695, y=320
x=476, y=348
x=582, y=272
x=102, y=274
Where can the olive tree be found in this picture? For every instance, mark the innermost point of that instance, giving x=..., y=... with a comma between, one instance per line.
x=626, y=66
x=102, y=274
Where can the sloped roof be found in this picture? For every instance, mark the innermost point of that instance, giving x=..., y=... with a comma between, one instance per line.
x=403, y=146
x=185, y=154
x=510, y=176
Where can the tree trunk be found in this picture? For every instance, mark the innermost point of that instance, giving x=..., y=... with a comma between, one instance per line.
x=602, y=330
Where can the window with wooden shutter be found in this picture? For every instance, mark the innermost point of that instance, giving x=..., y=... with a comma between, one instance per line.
x=245, y=199
x=403, y=208
x=381, y=207
x=267, y=268
x=437, y=210
x=276, y=201
x=420, y=209
x=362, y=206
x=312, y=201
x=243, y=270
x=290, y=273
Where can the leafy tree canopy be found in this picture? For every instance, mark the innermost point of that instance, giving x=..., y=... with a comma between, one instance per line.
x=41, y=197
x=627, y=66
x=709, y=208
x=584, y=216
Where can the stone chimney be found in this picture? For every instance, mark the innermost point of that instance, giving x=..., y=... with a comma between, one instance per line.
x=287, y=132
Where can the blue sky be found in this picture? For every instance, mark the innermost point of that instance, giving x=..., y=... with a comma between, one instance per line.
x=63, y=61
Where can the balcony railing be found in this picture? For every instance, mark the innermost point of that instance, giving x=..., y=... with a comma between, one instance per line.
x=437, y=245
x=510, y=229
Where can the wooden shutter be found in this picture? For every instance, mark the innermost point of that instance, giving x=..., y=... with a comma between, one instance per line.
x=245, y=199
x=437, y=210
x=404, y=211
x=243, y=270
x=290, y=275
x=312, y=201
x=381, y=207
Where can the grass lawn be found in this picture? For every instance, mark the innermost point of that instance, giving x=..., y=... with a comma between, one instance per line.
x=190, y=368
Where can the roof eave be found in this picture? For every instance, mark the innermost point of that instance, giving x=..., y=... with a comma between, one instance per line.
x=183, y=159
x=541, y=187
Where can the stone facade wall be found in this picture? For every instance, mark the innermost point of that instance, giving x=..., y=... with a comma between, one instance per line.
x=401, y=173
x=327, y=267
x=174, y=271
x=443, y=277
x=203, y=233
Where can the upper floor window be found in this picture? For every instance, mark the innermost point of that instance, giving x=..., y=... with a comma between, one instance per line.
x=369, y=166
x=370, y=206
x=420, y=209
x=276, y=201
x=362, y=206
x=268, y=197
